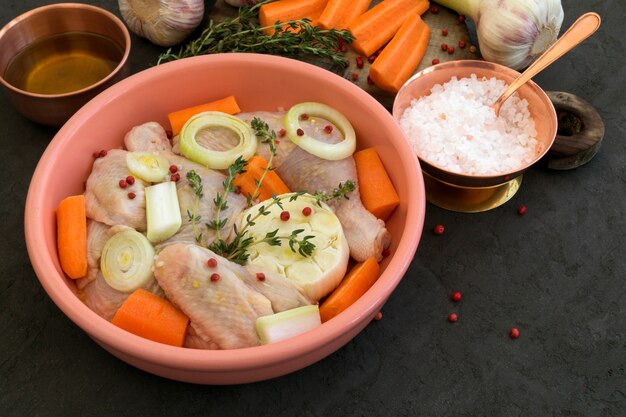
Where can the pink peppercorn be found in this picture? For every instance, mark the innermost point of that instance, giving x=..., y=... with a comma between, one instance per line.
x=439, y=229
x=371, y=59
x=211, y=262
x=306, y=211
x=284, y=215
x=260, y=276
x=444, y=32
x=444, y=46
x=123, y=183
x=434, y=10
x=378, y=316
x=300, y=132
x=355, y=76
x=215, y=277
x=304, y=116
x=435, y=61
x=521, y=210
x=173, y=169
x=453, y=317
x=514, y=333
x=132, y=195
x=456, y=296
x=462, y=44
x=282, y=133
x=175, y=177
x=130, y=180
x=386, y=253
x=462, y=18
x=328, y=129
x=359, y=61
x=450, y=50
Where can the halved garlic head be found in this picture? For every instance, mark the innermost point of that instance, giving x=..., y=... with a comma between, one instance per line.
x=162, y=22
x=317, y=274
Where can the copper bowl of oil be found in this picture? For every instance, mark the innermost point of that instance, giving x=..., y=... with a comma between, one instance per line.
x=475, y=193
x=54, y=59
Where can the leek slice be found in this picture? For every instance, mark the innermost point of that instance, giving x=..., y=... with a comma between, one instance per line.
x=288, y=323
x=148, y=166
x=329, y=151
x=126, y=261
x=189, y=146
x=162, y=211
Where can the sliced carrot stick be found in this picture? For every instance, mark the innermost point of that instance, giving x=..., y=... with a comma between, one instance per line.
x=271, y=184
x=339, y=13
x=152, y=317
x=376, y=27
x=360, y=278
x=72, y=236
x=398, y=60
x=285, y=10
x=179, y=118
x=378, y=194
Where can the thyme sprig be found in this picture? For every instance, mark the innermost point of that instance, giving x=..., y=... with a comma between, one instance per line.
x=262, y=131
x=195, y=182
x=339, y=192
x=221, y=199
x=294, y=38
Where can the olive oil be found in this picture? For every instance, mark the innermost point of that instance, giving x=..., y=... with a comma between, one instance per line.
x=63, y=63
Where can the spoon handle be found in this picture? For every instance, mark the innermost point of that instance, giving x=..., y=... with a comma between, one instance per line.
x=580, y=30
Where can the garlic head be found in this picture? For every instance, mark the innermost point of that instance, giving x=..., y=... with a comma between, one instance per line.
x=162, y=22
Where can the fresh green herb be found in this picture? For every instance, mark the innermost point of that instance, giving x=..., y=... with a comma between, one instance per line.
x=296, y=39
x=195, y=182
x=262, y=131
x=221, y=199
x=340, y=192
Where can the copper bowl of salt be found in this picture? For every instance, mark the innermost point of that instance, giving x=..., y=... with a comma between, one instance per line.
x=457, y=191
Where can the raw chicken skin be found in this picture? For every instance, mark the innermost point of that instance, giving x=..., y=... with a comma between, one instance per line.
x=151, y=137
x=106, y=201
x=302, y=171
x=222, y=311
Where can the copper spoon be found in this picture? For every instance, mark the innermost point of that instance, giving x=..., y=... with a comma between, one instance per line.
x=580, y=30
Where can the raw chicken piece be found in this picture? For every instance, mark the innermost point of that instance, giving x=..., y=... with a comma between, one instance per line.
x=302, y=171
x=222, y=312
x=106, y=201
x=150, y=137
x=283, y=293
x=97, y=236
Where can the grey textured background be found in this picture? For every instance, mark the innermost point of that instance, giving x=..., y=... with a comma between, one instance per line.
x=557, y=273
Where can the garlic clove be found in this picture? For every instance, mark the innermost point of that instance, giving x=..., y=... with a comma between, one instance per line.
x=162, y=22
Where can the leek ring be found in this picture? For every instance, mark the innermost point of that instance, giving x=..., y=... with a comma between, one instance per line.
x=329, y=151
x=126, y=261
x=192, y=150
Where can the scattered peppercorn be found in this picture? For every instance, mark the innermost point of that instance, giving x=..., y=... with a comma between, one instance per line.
x=439, y=229
x=96, y=154
x=386, y=253
x=237, y=189
x=450, y=50
x=444, y=32
x=328, y=129
x=282, y=132
x=456, y=296
x=211, y=263
x=304, y=116
x=434, y=10
x=132, y=195
x=123, y=183
x=514, y=333
x=173, y=169
x=355, y=76
x=359, y=61
x=130, y=180
x=343, y=48
x=444, y=46
x=260, y=276
x=521, y=210
x=175, y=177
x=102, y=153
x=435, y=61
x=462, y=18
x=371, y=58
x=284, y=215
x=300, y=132
x=215, y=277
x=462, y=44
x=307, y=211
x=378, y=316
x=453, y=317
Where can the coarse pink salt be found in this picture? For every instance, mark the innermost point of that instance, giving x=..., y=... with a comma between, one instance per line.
x=455, y=128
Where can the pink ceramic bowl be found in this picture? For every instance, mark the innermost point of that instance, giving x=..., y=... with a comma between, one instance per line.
x=259, y=82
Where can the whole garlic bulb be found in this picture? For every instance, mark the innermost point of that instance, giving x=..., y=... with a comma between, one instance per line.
x=162, y=22
x=512, y=32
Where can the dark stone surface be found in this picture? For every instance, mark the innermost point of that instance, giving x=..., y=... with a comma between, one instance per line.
x=557, y=273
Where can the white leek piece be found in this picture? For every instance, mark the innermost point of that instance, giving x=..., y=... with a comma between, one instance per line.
x=286, y=324
x=148, y=166
x=162, y=211
x=329, y=151
x=126, y=261
x=189, y=146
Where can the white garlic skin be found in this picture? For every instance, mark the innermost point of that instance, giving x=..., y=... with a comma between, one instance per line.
x=162, y=22
x=515, y=33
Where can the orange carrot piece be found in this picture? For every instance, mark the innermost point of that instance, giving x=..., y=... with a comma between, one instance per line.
x=271, y=185
x=378, y=194
x=360, y=278
x=339, y=13
x=398, y=60
x=285, y=10
x=72, y=236
x=152, y=317
x=179, y=118
x=374, y=28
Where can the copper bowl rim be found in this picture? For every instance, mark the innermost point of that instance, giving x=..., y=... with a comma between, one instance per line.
x=114, y=19
x=488, y=179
